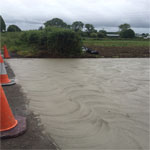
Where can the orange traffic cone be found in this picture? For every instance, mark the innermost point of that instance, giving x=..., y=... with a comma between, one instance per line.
x=9, y=126
x=6, y=54
x=4, y=80
x=7, y=120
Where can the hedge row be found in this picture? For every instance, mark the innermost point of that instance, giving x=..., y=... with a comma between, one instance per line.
x=55, y=42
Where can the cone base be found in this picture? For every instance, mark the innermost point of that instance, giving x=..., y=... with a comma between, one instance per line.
x=12, y=82
x=17, y=130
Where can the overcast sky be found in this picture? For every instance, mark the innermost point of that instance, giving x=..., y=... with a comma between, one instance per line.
x=107, y=14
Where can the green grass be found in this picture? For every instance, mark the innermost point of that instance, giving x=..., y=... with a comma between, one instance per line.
x=117, y=43
x=11, y=39
x=56, y=41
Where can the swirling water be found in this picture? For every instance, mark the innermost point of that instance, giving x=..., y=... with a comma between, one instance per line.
x=89, y=103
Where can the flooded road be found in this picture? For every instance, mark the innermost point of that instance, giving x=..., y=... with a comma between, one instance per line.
x=89, y=103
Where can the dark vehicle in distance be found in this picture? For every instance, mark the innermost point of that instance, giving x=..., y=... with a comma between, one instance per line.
x=88, y=50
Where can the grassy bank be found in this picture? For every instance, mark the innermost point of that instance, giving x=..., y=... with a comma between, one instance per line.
x=106, y=47
x=49, y=42
x=12, y=40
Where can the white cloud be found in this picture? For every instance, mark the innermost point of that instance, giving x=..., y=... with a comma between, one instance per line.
x=100, y=13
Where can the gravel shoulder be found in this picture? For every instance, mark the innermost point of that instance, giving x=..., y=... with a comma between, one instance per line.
x=34, y=137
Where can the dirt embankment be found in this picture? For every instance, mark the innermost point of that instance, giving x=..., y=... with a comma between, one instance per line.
x=34, y=137
x=122, y=52
x=104, y=52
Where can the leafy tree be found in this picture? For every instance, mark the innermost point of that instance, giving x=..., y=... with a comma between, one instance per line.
x=95, y=31
x=145, y=34
x=77, y=25
x=33, y=37
x=89, y=28
x=93, y=35
x=69, y=26
x=13, y=28
x=124, y=26
x=64, y=43
x=102, y=34
x=40, y=28
x=56, y=22
x=127, y=33
x=2, y=25
x=84, y=34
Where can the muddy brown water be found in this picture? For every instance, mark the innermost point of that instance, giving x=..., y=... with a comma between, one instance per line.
x=89, y=103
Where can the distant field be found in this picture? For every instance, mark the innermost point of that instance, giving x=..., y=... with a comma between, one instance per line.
x=11, y=39
x=117, y=43
x=107, y=48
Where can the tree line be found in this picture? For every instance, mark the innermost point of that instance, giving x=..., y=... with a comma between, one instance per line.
x=85, y=30
x=125, y=30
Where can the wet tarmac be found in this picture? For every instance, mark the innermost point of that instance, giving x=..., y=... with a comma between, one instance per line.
x=89, y=103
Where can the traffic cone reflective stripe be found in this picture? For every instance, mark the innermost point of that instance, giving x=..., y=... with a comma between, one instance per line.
x=7, y=120
x=3, y=74
x=6, y=54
